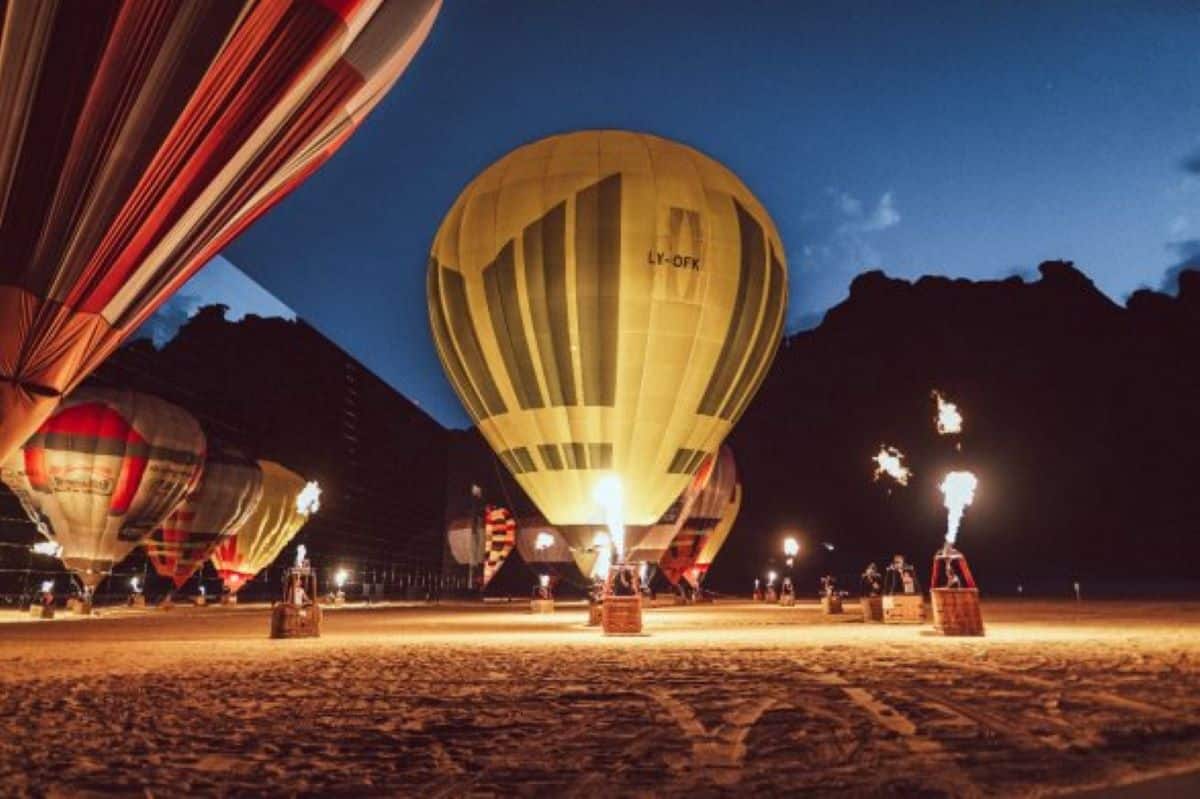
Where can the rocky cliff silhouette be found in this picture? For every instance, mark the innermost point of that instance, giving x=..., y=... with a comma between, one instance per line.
x=1082, y=424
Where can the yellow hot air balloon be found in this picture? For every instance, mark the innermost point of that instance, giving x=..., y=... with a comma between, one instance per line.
x=276, y=519
x=605, y=304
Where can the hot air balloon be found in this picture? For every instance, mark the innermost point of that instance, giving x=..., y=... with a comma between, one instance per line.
x=547, y=552
x=490, y=546
x=137, y=139
x=605, y=304
x=284, y=508
x=103, y=471
x=227, y=492
x=648, y=544
x=702, y=519
x=500, y=536
x=716, y=539
x=465, y=542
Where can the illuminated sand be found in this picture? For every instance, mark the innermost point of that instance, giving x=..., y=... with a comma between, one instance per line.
x=723, y=700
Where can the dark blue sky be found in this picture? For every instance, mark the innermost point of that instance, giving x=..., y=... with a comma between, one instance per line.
x=965, y=139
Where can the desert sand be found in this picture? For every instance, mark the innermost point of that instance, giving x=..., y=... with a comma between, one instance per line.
x=726, y=699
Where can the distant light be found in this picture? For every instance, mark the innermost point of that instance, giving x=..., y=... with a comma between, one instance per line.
x=133, y=585
x=827, y=545
x=339, y=579
x=203, y=591
x=791, y=547
x=301, y=554
x=544, y=580
x=47, y=586
x=771, y=577
x=543, y=541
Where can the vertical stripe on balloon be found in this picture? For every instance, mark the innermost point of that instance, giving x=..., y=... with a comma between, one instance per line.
x=500, y=283
x=546, y=282
x=597, y=287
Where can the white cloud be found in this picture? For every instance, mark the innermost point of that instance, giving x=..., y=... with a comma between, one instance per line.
x=883, y=216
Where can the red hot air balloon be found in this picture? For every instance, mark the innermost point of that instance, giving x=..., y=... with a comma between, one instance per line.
x=500, y=535
x=704, y=517
x=104, y=471
x=228, y=491
x=648, y=544
x=139, y=137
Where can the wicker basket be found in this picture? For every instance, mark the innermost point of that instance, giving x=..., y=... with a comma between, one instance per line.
x=295, y=621
x=79, y=607
x=787, y=601
x=903, y=609
x=538, y=606
x=872, y=608
x=137, y=601
x=956, y=611
x=39, y=611
x=595, y=614
x=831, y=605
x=199, y=600
x=622, y=615
x=228, y=599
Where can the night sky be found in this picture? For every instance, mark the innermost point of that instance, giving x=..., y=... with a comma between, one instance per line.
x=970, y=141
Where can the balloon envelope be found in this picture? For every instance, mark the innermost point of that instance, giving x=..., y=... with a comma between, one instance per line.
x=716, y=539
x=271, y=525
x=500, y=536
x=606, y=303
x=228, y=491
x=704, y=515
x=648, y=544
x=466, y=543
x=103, y=471
x=547, y=552
x=137, y=139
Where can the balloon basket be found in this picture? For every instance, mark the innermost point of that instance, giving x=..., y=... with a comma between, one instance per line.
x=166, y=604
x=831, y=605
x=595, y=614
x=295, y=621
x=228, y=599
x=79, y=607
x=787, y=601
x=538, y=606
x=903, y=609
x=137, y=601
x=622, y=615
x=41, y=611
x=956, y=611
x=872, y=608
x=199, y=600
x=770, y=597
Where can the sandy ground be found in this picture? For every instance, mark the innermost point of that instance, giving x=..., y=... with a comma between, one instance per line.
x=731, y=699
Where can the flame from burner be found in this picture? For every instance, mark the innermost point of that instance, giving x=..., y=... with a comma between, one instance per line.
x=949, y=419
x=958, y=488
x=890, y=461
